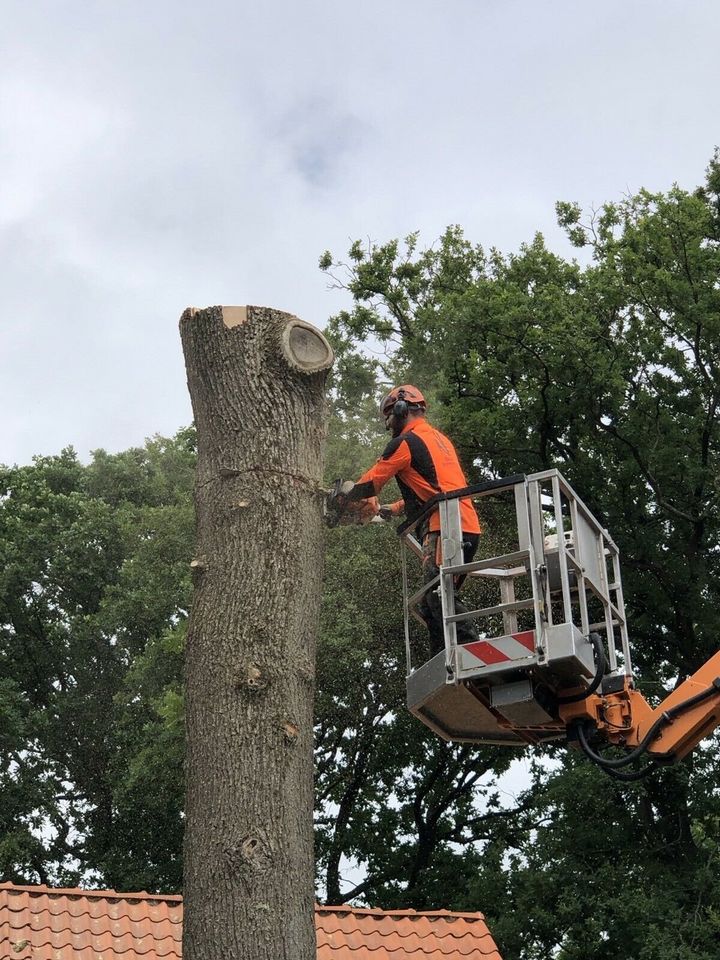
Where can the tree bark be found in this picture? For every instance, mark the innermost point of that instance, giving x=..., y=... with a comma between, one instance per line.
x=256, y=378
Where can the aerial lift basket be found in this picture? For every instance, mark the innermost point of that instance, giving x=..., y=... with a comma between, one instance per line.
x=558, y=583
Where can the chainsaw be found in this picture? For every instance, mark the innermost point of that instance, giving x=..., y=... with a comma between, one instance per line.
x=341, y=511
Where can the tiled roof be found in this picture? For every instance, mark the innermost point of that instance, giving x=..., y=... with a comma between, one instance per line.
x=43, y=923
x=348, y=933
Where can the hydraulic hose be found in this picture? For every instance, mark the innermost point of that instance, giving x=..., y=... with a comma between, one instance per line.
x=604, y=763
x=662, y=721
x=597, y=643
x=630, y=777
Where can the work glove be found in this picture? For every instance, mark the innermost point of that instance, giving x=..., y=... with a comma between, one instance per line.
x=389, y=511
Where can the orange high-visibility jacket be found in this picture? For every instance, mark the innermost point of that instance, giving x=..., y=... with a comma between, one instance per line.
x=424, y=463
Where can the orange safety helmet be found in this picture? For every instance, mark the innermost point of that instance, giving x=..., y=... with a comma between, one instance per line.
x=406, y=397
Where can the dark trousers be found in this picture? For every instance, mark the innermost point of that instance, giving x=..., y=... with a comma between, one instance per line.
x=431, y=605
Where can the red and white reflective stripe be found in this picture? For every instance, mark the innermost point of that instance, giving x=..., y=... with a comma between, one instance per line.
x=516, y=646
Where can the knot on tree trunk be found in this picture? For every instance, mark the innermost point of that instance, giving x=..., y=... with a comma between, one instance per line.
x=291, y=731
x=252, y=679
x=198, y=567
x=252, y=855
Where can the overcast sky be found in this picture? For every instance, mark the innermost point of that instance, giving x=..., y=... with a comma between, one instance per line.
x=160, y=154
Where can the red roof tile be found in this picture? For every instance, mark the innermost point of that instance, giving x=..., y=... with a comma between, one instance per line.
x=43, y=923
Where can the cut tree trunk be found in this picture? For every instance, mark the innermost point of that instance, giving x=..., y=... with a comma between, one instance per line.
x=256, y=378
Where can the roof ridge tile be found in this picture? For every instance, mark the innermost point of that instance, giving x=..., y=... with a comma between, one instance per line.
x=369, y=911
x=40, y=888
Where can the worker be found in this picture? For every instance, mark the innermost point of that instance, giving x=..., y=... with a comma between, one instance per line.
x=424, y=463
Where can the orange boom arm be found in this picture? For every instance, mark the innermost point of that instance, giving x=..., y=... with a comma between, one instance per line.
x=665, y=734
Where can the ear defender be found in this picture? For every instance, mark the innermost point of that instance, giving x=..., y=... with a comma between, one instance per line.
x=400, y=410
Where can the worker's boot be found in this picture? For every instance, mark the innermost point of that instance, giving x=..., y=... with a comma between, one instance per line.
x=431, y=611
x=435, y=637
x=467, y=631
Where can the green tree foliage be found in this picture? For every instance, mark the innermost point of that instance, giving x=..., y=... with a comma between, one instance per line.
x=608, y=371
x=93, y=596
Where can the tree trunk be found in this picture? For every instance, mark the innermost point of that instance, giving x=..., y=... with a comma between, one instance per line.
x=256, y=378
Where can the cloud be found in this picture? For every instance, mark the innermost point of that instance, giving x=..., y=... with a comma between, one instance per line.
x=319, y=137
